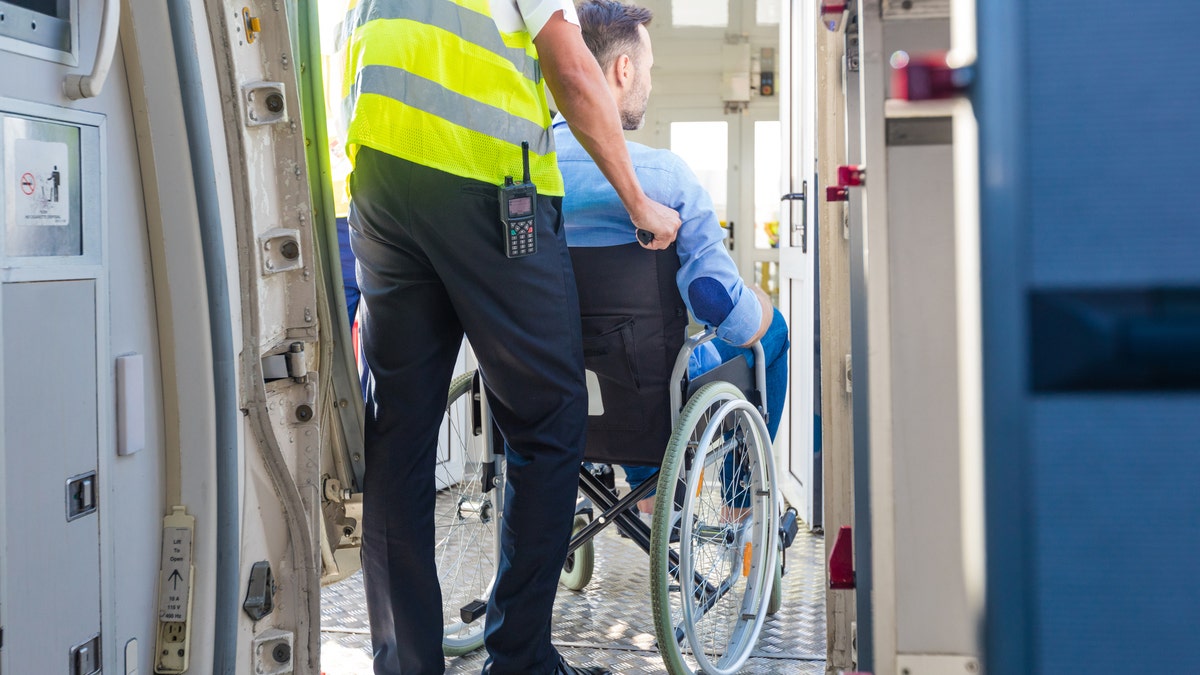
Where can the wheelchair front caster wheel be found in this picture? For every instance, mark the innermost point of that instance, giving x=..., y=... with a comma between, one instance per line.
x=577, y=570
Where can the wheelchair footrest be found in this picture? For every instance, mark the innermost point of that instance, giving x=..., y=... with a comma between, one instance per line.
x=470, y=612
x=789, y=526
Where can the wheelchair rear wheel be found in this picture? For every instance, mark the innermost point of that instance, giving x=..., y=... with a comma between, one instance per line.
x=716, y=497
x=466, y=523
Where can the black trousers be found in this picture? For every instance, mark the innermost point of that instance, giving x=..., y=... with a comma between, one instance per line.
x=431, y=267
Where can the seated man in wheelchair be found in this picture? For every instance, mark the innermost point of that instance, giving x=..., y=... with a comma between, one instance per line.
x=705, y=275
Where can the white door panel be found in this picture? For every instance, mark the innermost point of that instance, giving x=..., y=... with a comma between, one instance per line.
x=59, y=361
x=797, y=256
x=51, y=572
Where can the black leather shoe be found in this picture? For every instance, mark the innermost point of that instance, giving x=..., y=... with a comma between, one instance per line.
x=565, y=668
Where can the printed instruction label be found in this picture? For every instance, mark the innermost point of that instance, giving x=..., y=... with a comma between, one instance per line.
x=175, y=573
x=43, y=196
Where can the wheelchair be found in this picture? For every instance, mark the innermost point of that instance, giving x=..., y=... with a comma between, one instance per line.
x=715, y=540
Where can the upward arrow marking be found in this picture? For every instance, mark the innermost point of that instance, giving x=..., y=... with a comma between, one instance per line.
x=175, y=578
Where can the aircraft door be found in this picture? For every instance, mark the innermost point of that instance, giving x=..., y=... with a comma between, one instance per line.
x=76, y=308
x=49, y=303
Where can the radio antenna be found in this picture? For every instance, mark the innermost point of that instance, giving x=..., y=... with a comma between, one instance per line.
x=525, y=159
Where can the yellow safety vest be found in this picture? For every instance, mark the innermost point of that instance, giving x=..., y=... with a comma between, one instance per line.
x=435, y=82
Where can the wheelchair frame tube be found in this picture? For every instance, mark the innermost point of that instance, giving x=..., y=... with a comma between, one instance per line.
x=679, y=374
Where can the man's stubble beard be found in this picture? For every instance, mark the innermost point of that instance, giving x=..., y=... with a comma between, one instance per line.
x=633, y=117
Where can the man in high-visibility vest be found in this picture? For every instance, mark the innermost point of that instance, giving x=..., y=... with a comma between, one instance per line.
x=441, y=96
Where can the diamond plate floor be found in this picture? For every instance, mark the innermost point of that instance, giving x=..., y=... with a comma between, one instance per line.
x=610, y=621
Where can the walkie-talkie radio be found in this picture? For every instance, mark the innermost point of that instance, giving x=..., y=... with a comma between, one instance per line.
x=518, y=204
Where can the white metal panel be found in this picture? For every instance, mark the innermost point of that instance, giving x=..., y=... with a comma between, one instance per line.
x=133, y=528
x=179, y=382
x=937, y=664
x=924, y=402
x=970, y=326
x=130, y=488
x=875, y=244
x=51, y=571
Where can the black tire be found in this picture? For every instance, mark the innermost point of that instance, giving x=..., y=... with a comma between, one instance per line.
x=577, y=570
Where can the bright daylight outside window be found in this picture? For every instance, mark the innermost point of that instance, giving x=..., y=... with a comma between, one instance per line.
x=766, y=12
x=766, y=184
x=705, y=148
x=707, y=13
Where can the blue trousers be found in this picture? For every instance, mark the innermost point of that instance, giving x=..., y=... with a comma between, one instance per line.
x=775, y=346
x=431, y=268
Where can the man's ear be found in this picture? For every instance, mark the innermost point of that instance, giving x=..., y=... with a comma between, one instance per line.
x=623, y=66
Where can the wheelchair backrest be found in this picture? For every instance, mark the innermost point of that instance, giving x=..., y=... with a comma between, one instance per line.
x=634, y=325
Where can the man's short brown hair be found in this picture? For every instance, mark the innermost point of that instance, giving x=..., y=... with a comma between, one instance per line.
x=610, y=28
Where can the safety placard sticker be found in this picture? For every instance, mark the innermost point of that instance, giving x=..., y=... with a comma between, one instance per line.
x=176, y=574
x=42, y=196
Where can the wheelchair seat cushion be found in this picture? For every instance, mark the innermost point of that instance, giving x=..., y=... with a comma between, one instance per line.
x=634, y=325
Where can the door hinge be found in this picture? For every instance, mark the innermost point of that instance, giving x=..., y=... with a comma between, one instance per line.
x=852, y=44
x=288, y=364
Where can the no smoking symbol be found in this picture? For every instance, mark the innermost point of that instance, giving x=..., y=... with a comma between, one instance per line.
x=27, y=183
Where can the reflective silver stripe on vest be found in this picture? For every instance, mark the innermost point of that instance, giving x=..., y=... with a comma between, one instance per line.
x=476, y=28
x=423, y=94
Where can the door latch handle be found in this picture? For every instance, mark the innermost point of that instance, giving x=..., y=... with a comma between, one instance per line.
x=799, y=226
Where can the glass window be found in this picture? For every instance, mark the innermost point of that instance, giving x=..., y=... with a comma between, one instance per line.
x=705, y=148
x=767, y=160
x=331, y=15
x=44, y=214
x=767, y=12
x=766, y=277
x=40, y=23
x=711, y=13
x=55, y=8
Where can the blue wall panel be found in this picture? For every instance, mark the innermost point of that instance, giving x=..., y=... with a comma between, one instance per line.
x=1117, y=512
x=1113, y=95
x=1090, y=167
